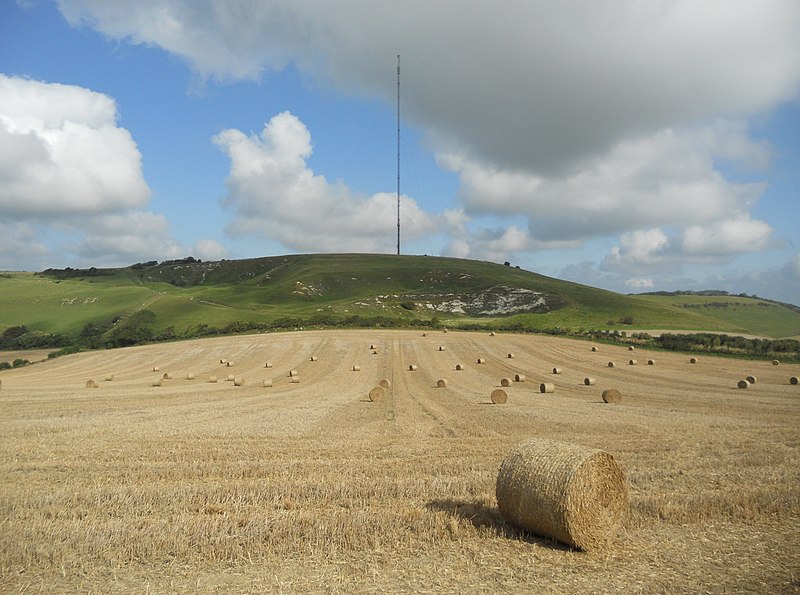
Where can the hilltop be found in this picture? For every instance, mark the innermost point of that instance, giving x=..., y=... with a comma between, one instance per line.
x=188, y=298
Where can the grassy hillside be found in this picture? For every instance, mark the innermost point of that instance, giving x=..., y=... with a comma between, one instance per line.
x=349, y=288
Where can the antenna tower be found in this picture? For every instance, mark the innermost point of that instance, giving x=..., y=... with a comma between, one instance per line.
x=398, y=154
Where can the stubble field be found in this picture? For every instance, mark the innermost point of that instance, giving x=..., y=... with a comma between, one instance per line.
x=196, y=486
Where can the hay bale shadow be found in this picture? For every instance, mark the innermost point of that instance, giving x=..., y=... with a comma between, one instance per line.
x=481, y=515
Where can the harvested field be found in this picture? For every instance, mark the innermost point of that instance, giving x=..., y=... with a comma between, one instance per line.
x=203, y=487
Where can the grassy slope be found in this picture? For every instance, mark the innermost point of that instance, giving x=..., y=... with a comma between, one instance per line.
x=341, y=284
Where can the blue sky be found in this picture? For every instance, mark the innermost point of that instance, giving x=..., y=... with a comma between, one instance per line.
x=630, y=146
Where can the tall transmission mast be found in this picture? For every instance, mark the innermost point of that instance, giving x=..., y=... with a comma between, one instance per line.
x=398, y=154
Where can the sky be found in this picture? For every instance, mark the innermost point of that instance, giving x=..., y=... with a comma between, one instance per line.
x=634, y=146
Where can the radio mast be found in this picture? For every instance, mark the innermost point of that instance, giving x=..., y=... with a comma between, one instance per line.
x=398, y=154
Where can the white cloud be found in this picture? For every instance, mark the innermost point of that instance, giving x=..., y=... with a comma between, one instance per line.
x=640, y=283
x=275, y=194
x=730, y=236
x=62, y=153
x=206, y=249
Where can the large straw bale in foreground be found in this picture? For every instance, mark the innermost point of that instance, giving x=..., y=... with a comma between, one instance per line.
x=571, y=493
x=377, y=394
x=793, y=380
x=499, y=396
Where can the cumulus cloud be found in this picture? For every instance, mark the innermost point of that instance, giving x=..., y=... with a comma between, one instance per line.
x=62, y=153
x=275, y=194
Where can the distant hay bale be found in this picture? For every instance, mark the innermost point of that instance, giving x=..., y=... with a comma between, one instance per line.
x=267, y=382
x=372, y=346
x=385, y=383
x=611, y=364
x=751, y=379
x=519, y=377
x=314, y=358
x=356, y=368
x=157, y=382
x=230, y=378
x=444, y=330
x=793, y=380
x=459, y=367
x=630, y=347
x=292, y=373
x=481, y=360
x=424, y=334
x=612, y=395
x=166, y=376
x=229, y=364
x=568, y=492
x=589, y=381
x=499, y=396
x=189, y=376
x=556, y=370
x=374, y=352
x=547, y=387
x=594, y=348
x=91, y=383
x=268, y=365
x=776, y=362
x=156, y=369
x=412, y=367
x=505, y=382
x=441, y=348
x=238, y=382
x=441, y=383
x=110, y=378
x=510, y=356
x=743, y=384
x=212, y=378
x=294, y=380
x=377, y=394
x=492, y=334
x=223, y=361
x=651, y=362
x=692, y=360
x=632, y=362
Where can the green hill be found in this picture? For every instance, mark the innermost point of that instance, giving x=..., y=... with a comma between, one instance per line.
x=189, y=297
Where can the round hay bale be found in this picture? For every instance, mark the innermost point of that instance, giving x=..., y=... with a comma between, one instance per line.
x=612, y=395
x=110, y=378
x=751, y=379
x=505, y=382
x=547, y=387
x=424, y=334
x=229, y=364
x=266, y=382
x=444, y=330
x=630, y=347
x=519, y=377
x=412, y=367
x=611, y=364
x=492, y=334
x=385, y=383
x=238, y=382
x=499, y=396
x=355, y=368
x=230, y=378
x=776, y=362
x=743, y=384
x=294, y=380
x=589, y=381
x=793, y=380
x=571, y=493
x=374, y=352
x=441, y=383
x=189, y=376
x=268, y=365
x=91, y=383
x=632, y=362
x=156, y=369
x=481, y=360
x=651, y=362
x=692, y=360
x=223, y=361
x=594, y=348
x=157, y=382
x=313, y=358
x=441, y=347
x=292, y=373
x=372, y=346
x=212, y=378
x=377, y=394
x=510, y=355
x=167, y=376
x=556, y=370
x=459, y=367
